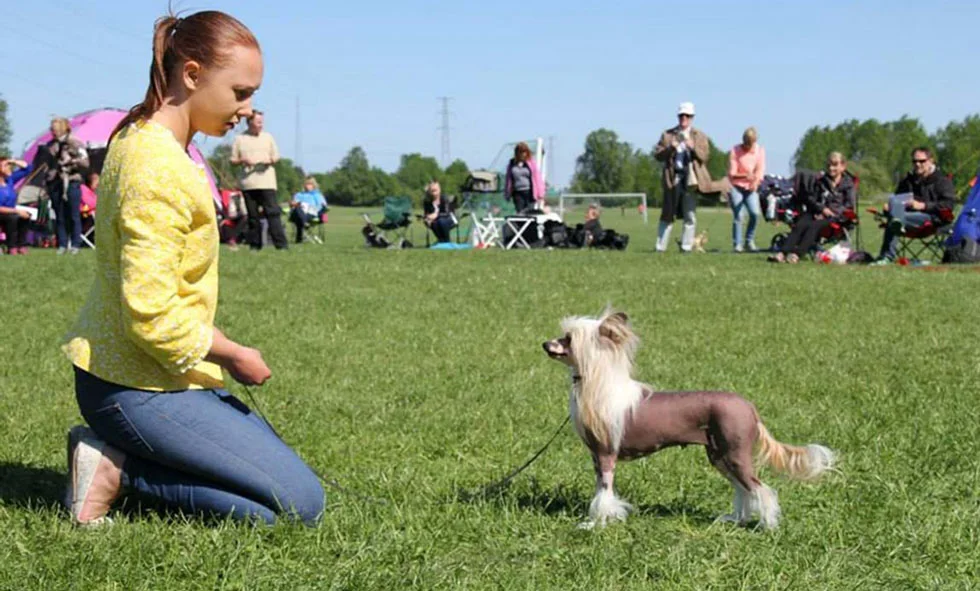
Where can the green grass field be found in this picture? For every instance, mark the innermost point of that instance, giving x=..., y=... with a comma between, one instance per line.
x=416, y=376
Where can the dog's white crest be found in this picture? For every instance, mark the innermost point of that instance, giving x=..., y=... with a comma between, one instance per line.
x=602, y=351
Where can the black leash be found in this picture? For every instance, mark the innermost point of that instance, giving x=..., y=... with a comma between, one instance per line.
x=503, y=482
x=486, y=490
x=331, y=482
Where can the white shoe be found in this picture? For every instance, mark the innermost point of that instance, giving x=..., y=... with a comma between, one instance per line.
x=73, y=250
x=85, y=452
x=62, y=250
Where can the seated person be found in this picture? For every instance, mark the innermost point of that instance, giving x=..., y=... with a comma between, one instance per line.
x=825, y=197
x=232, y=218
x=592, y=228
x=919, y=198
x=15, y=222
x=438, y=212
x=89, y=199
x=308, y=206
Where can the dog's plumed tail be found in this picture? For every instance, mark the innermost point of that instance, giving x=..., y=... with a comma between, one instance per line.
x=798, y=462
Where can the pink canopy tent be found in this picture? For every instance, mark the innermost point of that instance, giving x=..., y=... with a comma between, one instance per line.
x=94, y=127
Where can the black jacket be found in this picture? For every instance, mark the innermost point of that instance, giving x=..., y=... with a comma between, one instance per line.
x=815, y=191
x=935, y=190
x=839, y=198
x=446, y=206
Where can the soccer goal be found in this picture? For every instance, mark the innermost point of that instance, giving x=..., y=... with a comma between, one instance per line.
x=572, y=201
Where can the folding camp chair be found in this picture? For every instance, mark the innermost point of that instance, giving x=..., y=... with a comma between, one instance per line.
x=88, y=236
x=516, y=229
x=487, y=213
x=396, y=220
x=456, y=218
x=87, y=207
x=313, y=230
x=930, y=238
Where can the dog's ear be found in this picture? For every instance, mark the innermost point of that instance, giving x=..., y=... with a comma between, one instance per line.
x=616, y=328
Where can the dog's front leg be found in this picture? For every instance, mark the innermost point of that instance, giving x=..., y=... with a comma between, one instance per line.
x=605, y=506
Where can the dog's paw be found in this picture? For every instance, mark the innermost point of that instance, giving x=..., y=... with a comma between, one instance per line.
x=728, y=518
x=587, y=525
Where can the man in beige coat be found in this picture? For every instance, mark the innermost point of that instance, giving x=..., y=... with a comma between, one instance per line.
x=683, y=151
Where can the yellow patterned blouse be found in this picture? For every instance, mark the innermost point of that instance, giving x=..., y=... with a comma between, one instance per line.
x=148, y=321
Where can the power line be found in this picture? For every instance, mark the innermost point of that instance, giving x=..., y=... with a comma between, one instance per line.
x=63, y=50
x=100, y=21
x=444, y=128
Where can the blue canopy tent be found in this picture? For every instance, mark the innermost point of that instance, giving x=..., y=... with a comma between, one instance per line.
x=963, y=245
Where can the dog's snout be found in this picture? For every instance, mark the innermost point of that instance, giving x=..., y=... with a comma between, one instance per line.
x=546, y=346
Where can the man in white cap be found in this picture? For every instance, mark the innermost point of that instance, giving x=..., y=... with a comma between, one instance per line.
x=683, y=151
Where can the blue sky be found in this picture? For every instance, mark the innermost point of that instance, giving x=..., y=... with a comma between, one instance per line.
x=369, y=73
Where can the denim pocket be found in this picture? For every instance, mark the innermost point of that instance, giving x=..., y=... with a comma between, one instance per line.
x=112, y=420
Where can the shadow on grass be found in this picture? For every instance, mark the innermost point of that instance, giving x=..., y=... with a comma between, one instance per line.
x=31, y=487
x=561, y=500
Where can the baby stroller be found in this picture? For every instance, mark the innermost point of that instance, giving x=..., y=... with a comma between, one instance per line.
x=777, y=193
x=789, y=205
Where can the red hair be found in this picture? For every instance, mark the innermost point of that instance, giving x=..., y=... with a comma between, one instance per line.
x=522, y=153
x=204, y=37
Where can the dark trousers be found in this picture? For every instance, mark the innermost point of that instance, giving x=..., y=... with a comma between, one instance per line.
x=15, y=227
x=522, y=200
x=301, y=220
x=266, y=199
x=678, y=201
x=67, y=204
x=804, y=235
x=231, y=232
x=442, y=226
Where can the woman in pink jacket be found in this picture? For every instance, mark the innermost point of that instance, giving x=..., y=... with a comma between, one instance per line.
x=746, y=167
x=524, y=185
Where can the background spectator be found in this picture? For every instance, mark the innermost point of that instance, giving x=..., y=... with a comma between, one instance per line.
x=256, y=151
x=438, y=212
x=825, y=197
x=68, y=161
x=919, y=198
x=308, y=205
x=523, y=184
x=746, y=168
x=684, y=152
x=15, y=222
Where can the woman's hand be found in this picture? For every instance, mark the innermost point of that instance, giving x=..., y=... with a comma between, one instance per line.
x=24, y=215
x=245, y=364
x=828, y=213
x=248, y=367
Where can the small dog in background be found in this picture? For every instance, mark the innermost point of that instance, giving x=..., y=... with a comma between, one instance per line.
x=700, y=241
x=619, y=418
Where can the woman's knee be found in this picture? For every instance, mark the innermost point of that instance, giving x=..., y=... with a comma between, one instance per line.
x=304, y=499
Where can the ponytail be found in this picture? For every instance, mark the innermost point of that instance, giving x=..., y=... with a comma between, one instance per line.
x=163, y=33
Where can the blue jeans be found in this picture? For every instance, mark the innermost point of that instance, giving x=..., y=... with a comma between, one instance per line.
x=908, y=219
x=67, y=203
x=201, y=452
x=747, y=201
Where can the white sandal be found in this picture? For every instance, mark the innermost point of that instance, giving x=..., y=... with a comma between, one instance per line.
x=85, y=453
